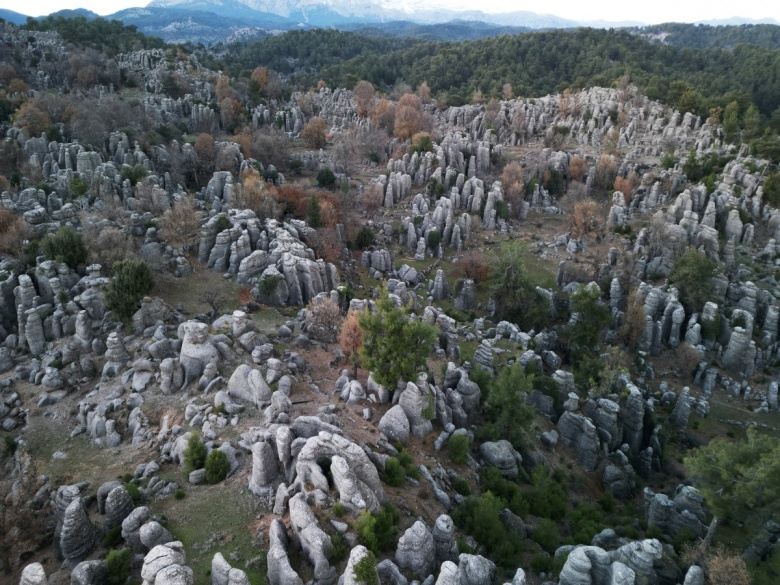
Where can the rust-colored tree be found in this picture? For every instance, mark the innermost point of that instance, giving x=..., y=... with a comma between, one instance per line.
x=512, y=182
x=408, y=116
x=424, y=92
x=181, y=224
x=31, y=119
x=474, y=265
x=585, y=218
x=351, y=338
x=313, y=133
x=384, y=115
x=577, y=168
x=323, y=320
x=364, y=98
x=260, y=77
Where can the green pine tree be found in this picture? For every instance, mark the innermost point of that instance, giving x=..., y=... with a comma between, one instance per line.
x=395, y=345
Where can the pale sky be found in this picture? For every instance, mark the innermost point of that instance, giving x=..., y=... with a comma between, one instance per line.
x=610, y=10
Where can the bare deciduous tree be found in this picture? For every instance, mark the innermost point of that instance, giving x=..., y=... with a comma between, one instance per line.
x=180, y=225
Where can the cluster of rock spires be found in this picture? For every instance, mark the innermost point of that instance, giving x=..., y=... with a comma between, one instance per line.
x=56, y=333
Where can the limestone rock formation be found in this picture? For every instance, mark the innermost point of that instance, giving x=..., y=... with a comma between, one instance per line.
x=416, y=551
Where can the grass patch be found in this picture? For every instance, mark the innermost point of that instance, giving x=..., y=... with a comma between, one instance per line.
x=205, y=527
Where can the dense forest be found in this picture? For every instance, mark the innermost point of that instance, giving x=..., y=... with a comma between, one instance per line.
x=702, y=36
x=533, y=64
x=111, y=36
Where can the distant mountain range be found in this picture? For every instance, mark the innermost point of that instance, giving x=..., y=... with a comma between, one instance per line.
x=211, y=21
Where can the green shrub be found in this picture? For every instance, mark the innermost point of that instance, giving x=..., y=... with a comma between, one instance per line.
x=132, y=280
x=364, y=238
x=179, y=494
x=376, y=531
x=607, y=502
x=325, y=177
x=668, y=161
x=458, y=448
x=133, y=174
x=546, y=498
x=223, y=223
x=479, y=517
x=546, y=535
x=194, y=454
x=365, y=570
x=541, y=563
x=9, y=446
x=118, y=563
x=133, y=491
x=313, y=209
x=65, y=245
x=294, y=165
x=339, y=510
x=772, y=189
x=78, y=187
x=340, y=550
x=433, y=239
x=217, y=466
x=691, y=274
x=461, y=486
x=586, y=520
x=394, y=473
x=113, y=536
x=502, y=210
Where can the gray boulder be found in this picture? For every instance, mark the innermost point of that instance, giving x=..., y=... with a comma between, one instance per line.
x=475, y=570
x=77, y=538
x=89, y=573
x=349, y=578
x=153, y=533
x=118, y=505
x=248, y=384
x=315, y=542
x=33, y=574
x=416, y=551
x=502, y=456
x=394, y=425
x=580, y=433
x=265, y=469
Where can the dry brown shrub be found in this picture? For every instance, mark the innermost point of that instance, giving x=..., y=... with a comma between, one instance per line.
x=180, y=225
x=364, y=98
x=330, y=247
x=13, y=233
x=408, y=115
x=726, y=567
x=323, y=320
x=623, y=185
x=577, y=168
x=585, y=218
x=633, y=325
x=313, y=133
x=606, y=168
x=507, y=92
x=292, y=200
x=351, y=338
x=384, y=115
x=491, y=111
x=424, y=92
x=260, y=76
x=244, y=296
x=474, y=265
x=31, y=119
x=109, y=246
x=514, y=188
x=372, y=198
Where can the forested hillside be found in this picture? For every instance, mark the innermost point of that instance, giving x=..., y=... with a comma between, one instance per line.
x=702, y=36
x=534, y=64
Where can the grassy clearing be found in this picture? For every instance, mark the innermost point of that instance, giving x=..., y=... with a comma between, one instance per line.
x=220, y=518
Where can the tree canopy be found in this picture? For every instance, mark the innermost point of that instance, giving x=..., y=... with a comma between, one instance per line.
x=396, y=345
